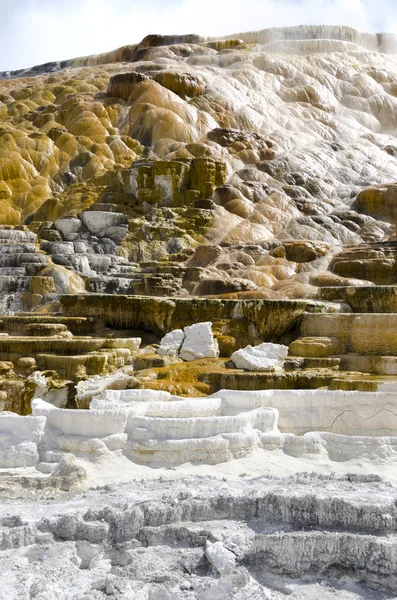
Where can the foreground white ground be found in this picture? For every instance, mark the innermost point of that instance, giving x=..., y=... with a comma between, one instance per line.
x=303, y=537
x=287, y=527
x=244, y=495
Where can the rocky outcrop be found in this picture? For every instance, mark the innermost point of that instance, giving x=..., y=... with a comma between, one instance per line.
x=379, y=201
x=167, y=145
x=122, y=84
x=265, y=357
x=173, y=183
x=194, y=342
x=271, y=318
x=20, y=264
x=374, y=263
x=64, y=350
x=184, y=85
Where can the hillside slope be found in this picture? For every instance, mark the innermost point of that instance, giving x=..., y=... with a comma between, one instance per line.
x=208, y=167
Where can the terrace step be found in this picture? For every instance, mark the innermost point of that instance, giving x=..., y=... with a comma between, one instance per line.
x=81, y=366
x=267, y=381
x=77, y=325
x=30, y=345
x=45, y=329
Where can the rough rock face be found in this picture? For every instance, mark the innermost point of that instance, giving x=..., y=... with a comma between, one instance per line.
x=241, y=539
x=171, y=343
x=194, y=342
x=275, y=148
x=199, y=342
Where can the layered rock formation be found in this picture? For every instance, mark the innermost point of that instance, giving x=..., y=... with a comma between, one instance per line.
x=167, y=542
x=184, y=165
x=197, y=277
x=157, y=428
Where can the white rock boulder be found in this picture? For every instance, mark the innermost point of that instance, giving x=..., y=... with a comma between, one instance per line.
x=199, y=342
x=265, y=357
x=90, y=388
x=20, y=439
x=171, y=343
x=222, y=560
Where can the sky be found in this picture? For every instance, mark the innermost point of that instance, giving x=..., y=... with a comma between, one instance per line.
x=39, y=31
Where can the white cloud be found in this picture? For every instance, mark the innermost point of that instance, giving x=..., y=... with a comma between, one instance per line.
x=36, y=31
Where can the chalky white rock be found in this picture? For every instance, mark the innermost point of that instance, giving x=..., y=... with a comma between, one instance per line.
x=222, y=560
x=171, y=343
x=265, y=357
x=199, y=342
x=154, y=427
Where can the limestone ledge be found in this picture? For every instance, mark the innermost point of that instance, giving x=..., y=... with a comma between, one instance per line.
x=270, y=318
x=367, y=299
x=362, y=333
x=155, y=427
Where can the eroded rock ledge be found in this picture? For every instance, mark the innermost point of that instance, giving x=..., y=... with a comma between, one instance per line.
x=243, y=540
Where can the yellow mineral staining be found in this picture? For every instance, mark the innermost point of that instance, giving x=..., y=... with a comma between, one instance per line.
x=42, y=284
x=157, y=114
x=61, y=280
x=122, y=84
x=54, y=132
x=265, y=135
x=220, y=45
x=84, y=118
x=379, y=201
x=122, y=54
x=184, y=85
x=74, y=199
x=183, y=379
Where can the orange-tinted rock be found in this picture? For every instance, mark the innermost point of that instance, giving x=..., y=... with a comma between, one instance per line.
x=379, y=201
x=302, y=251
x=184, y=85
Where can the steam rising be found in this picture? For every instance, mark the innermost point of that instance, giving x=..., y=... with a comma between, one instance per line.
x=37, y=31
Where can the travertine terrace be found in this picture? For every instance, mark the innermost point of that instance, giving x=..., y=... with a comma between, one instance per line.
x=198, y=320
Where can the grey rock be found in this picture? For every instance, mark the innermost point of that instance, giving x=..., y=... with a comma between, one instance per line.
x=68, y=225
x=116, y=233
x=58, y=247
x=98, y=221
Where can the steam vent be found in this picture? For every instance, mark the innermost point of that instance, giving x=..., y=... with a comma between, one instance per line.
x=198, y=320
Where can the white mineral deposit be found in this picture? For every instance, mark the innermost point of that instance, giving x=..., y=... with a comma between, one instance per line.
x=198, y=311
x=265, y=357
x=171, y=343
x=199, y=342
